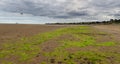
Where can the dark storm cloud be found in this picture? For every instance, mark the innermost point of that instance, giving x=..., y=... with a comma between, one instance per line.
x=64, y=8
x=81, y=13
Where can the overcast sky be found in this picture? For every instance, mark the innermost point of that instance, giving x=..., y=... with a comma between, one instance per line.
x=45, y=11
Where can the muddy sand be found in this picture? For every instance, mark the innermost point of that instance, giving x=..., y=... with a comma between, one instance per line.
x=15, y=31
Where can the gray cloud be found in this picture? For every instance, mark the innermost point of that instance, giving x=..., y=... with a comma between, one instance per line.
x=85, y=9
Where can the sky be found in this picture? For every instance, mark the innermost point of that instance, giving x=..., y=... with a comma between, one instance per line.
x=50, y=11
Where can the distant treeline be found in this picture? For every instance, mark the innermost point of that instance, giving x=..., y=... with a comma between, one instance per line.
x=111, y=21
